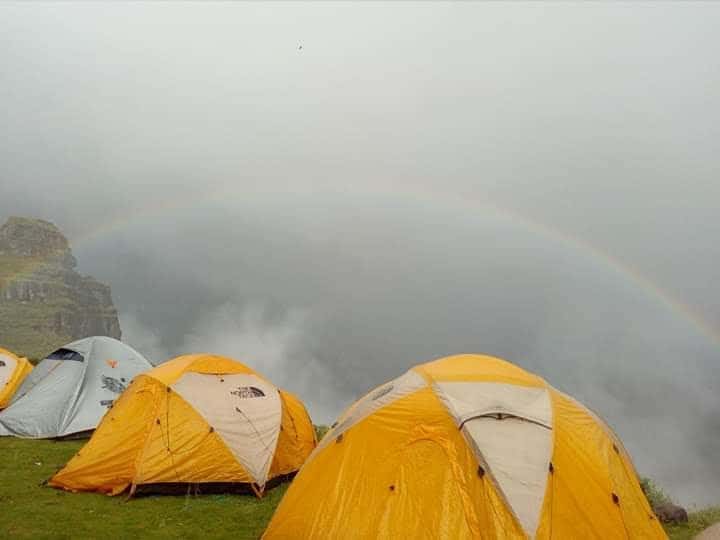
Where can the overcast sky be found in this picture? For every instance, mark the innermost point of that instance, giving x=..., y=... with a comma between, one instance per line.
x=334, y=192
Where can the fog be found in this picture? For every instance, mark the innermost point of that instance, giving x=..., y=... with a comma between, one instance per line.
x=334, y=193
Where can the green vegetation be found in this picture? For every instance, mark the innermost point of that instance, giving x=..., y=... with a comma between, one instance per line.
x=27, y=325
x=697, y=521
x=12, y=267
x=28, y=335
x=30, y=510
x=654, y=493
x=320, y=432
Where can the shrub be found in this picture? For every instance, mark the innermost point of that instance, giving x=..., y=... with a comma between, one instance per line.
x=654, y=493
x=320, y=432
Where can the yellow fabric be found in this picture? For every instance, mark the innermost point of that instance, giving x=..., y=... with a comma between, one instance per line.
x=297, y=437
x=171, y=371
x=475, y=367
x=180, y=447
x=107, y=462
x=22, y=370
x=587, y=472
x=406, y=471
x=152, y=435
x=394, y=476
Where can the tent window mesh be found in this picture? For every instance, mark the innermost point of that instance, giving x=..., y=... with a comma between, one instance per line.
x=66, y=354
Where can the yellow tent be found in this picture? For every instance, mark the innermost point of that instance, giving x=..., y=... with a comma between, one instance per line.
x=13, y=371
x=466, y=447
x=197, y=419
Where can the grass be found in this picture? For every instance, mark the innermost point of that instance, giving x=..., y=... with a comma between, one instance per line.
x=30, y=510
x=697, y=521
x=320, y=432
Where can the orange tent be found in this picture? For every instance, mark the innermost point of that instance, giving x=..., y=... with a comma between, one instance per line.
x=13, y=370
x=197, y=419
x=466, y=447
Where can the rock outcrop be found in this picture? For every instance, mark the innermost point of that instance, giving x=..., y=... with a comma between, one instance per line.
x=44, y=301
x=668, y=512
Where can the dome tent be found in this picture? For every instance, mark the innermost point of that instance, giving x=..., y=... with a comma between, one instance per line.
x=13, y=371
x=197, y=419
x=466, y=447
x=70, y=390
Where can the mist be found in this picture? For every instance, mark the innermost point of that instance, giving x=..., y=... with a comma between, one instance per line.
x=533, y=182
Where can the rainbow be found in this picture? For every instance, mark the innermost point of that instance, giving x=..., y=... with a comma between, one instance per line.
x=430, y=197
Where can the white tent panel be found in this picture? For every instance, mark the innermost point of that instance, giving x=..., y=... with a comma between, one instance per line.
x=510, y=429
x=244, y=410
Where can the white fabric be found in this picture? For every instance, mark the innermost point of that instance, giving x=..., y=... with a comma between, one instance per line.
x=62, y=397
x=7, y=368
x=510, y=429
x=404, y=385
x=244, y=410
x=468, y=399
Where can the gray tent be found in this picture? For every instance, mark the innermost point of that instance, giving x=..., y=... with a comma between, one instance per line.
x=70, y=391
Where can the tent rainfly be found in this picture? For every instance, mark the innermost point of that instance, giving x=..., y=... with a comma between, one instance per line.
x=70, y=390
x=198, y=419
x=466, y=447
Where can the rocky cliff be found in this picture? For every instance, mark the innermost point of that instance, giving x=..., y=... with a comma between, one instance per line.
x=44, y=301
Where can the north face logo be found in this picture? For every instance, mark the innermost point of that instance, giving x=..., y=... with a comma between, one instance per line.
x=113, y=385
x=248, y=392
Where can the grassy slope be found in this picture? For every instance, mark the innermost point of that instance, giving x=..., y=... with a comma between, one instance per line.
x=31, y=511
x=25, y=330
x=25, y=327
x=697, y=522
x=16, y=266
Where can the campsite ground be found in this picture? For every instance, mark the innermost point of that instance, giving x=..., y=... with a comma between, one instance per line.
x=30, y=510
